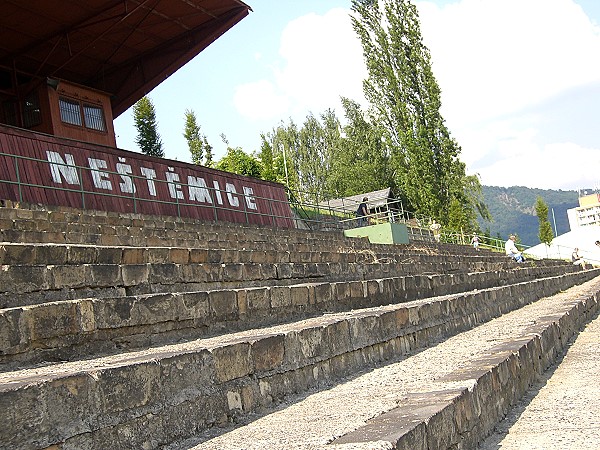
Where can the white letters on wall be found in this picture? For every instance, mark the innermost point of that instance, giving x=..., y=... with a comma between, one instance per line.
x=64, y=170
x=249, y=196
x=198, y=191
x=59, y=166
x=125, y=170
x=150, y=175
x=233, y=201
x=174, y=188
x=100, y=178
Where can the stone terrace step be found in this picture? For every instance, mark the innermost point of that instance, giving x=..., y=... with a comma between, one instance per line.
x=37, y=273
x=62, y=254
x=72, y=226
x=155, y=397
x=449, y=396
x=71, y=329
x=99, y=227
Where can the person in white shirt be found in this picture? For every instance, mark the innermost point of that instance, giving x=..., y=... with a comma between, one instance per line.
x=576, y=259
x=512, y=250
x=436, y=228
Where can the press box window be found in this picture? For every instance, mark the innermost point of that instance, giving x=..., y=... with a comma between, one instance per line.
x=94, y=118
x=70, y=111
x=75, y=113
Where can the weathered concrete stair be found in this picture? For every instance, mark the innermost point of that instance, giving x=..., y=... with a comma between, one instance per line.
x=447, y=396
x=157, y=396
x=69, y=329
x=141, y=332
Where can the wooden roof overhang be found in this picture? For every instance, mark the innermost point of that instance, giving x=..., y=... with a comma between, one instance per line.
x=122, y=47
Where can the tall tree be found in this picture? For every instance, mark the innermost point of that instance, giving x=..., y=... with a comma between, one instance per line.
x=359, y=157
x=545, y=231
x=278, y=152
x=312, y=159
x=405, y=98
x=147, y=138
x=208, y=153
x=193, y=137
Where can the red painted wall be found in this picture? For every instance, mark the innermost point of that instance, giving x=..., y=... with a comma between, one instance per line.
x=67, y=172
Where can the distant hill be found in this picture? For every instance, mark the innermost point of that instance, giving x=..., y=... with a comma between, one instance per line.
x=513, y=211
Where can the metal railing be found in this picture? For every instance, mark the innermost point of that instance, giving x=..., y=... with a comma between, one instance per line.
x=564, y=252
x=21, y=185
x=314, y=216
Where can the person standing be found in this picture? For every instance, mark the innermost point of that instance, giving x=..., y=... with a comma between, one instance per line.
x=436, y=229
x=511, y=249
x=475, y=242
x=362, y=212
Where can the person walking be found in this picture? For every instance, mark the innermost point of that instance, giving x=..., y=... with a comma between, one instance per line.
x=436, y=229
x=475, y=242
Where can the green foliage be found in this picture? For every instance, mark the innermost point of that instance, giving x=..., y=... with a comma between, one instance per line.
x=359, y=157
x=513, y=209
x=545, y=231
x=147, y=138
x=193, y=137
x=311, y=159
x=237, y=161
x=208, y=154
x=277, y=155
x=405, y=98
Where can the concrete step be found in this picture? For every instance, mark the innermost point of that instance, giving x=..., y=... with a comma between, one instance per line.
x=63, y=254
x=72, y=329
x=30, y=285
x=161, y=395
x=448, y=396
x=37, y=273
x=562, y=409
x=87, y=227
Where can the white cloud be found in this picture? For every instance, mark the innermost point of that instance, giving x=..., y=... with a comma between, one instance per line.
x=323, y=60
x=320, y=60
x=493, y=57
x=260, y=100
x=496, y=59
x=553, y=166
x=497, y=62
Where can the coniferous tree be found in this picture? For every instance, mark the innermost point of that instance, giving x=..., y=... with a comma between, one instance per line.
x=545, y=231
x=147, y=138
x=208, y=154
x=193, y=137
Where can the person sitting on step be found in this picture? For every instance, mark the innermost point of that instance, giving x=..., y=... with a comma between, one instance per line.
x=512, y=250
x=576, y=259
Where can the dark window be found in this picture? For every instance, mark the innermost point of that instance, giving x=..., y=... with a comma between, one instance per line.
x=76, y=113
x=32, y=115
x=70, y=111
x=8, y=114
x=94, y=118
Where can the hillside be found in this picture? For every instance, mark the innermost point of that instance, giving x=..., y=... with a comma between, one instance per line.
x=513, y=211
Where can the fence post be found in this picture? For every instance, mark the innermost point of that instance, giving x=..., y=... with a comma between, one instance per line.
x=82, y=189
x=18, y=179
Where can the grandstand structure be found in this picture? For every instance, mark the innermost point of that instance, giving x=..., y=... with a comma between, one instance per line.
x=68, y=68
x=209, y=321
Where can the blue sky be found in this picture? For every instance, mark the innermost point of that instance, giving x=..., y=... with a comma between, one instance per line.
x=520, y=83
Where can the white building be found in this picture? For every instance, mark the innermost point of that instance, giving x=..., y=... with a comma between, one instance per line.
x=588, y=212
x=584, y=222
